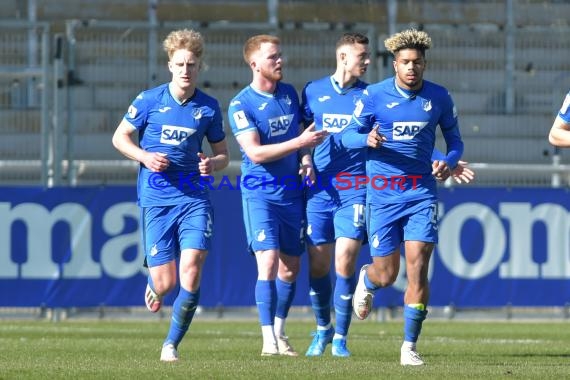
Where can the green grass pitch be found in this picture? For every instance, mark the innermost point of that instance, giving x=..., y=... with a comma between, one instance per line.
x=229, y=349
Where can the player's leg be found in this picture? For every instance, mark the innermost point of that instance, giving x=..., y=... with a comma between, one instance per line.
x=262, y=230
x=320, y=246
x=292, y=245
x=350, y=231
x=420, y=233
x=160, y=246
x=415, y=298
x=186, y=302
x=346, y=255
x=320, y=291
x=194, y=236
x=266, y=298
x=385, y=235
x=286, y=285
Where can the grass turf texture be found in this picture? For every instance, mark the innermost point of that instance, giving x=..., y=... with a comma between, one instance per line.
x=226, y=349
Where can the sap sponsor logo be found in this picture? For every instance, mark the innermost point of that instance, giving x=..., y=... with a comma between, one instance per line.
x=240, y=119
x=407, y=130
x=132, y=111
x=334, y=122
x=173, y=135
x=280, y=125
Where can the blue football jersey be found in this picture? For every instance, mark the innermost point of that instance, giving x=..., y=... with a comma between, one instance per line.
x=331, y=108
x=564, y=112
x=276, y=118
x=400, y=170
x=177, y=130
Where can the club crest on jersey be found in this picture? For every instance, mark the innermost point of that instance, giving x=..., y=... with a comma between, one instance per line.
x=426, y=105
x=280, y=125
x=358, y=108
x=288, y=100
x=197, y=113
x=173, y=135
x=407, y=130
x=334, y=122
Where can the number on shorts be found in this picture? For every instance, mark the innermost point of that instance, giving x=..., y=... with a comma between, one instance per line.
x=358, y=219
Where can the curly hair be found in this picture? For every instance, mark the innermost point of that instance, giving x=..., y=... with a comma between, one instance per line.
x=184, y=39
x=408, y=39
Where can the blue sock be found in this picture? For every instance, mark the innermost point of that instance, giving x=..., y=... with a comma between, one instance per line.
x=266, y=301
x=285, y=296
x=320, y=294
x=343, y=291
x=413, y=319
x=183, y=311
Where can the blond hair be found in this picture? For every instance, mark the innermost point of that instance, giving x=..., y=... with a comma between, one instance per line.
x=254, y=43
x=408, y=39
x=187, y=39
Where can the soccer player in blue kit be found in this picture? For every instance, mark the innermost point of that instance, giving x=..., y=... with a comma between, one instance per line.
x=335, y=213
x=265, y=119
x=176, y=215
x=397, y=119
x=560, y=131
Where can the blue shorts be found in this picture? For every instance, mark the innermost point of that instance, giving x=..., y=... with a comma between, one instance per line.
x=328, y=221
x=167, y=230
x=271, y=225
x=391, y=224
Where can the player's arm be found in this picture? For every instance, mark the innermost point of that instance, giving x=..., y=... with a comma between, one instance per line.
x=306, y=167
x=443, y=165
x=560, y=133
x=219, y=160
x=355, y=136
x=259, y=154
x=123, y=142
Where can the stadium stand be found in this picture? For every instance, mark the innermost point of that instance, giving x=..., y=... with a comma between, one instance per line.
x=106, y=63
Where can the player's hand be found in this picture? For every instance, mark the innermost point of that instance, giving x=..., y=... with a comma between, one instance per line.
x=462, y=173
x=311, y=137
x=440, y=170
x=307, y=173
x=155, y=161
x=206, y=165
x=375, y=139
